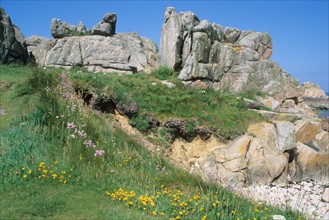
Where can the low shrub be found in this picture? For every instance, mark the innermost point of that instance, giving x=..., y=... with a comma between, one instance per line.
x=140, y=122
x=164, y=73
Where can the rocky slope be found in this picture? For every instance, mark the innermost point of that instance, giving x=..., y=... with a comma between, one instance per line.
x=211, y=56
x=12, y=47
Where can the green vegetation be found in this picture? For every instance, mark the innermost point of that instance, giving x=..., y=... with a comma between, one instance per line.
x=61, y=159
x=140, y=122
x=164, y=73
x=221, y=111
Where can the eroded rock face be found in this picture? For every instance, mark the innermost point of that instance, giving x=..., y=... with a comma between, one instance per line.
x=222, y=58
x=12, y=47
x=127, y=53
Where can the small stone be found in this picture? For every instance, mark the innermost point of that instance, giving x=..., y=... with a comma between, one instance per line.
x=278, y=217
x=325, y=195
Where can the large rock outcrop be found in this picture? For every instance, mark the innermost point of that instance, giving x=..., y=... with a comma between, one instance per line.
x=222, y=58
x=313, y=91
x=314, y=96
x=12, y=47
x=127, y=53
x=273, y=152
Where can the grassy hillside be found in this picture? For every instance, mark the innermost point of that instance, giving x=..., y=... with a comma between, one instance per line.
x=61, y=159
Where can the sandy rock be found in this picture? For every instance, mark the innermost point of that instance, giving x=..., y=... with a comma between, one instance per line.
x=186, y=153
x=265, y=137
x=311, y=164
x=322, y=140
x=306, y=130
x=236, y=150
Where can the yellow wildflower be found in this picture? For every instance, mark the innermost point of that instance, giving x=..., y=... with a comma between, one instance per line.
x=30, y=171
x=24, y=176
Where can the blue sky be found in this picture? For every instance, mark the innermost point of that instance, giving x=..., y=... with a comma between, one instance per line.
x=299, y=29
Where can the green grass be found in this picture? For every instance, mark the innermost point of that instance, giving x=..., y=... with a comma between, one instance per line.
x=221, y=111
x=48, y=172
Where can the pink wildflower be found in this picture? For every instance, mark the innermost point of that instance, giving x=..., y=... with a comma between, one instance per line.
x=99, y=153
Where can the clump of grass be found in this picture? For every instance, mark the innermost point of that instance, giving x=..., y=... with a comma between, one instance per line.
x=140, y=122
x=164, y=73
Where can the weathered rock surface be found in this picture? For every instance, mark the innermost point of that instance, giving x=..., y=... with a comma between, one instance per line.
x=12, y=47
x=312, y=164
x=127, y=53
x=306, y=130
x=107, y=26
x=222, y=58
x=286, y=135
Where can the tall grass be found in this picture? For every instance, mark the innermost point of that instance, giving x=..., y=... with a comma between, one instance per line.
x=51, y=165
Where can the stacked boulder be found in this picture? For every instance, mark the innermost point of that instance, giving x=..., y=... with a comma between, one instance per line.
x=107, y=26
x=61, y=29
x=103, y=51
x=210, y=56
x=12, y=47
